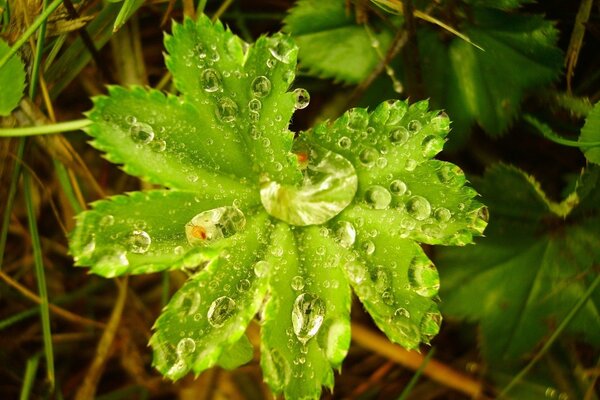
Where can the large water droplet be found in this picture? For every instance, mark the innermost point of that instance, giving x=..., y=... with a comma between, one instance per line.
x=357, y=119
x=432, y=145
x=368, y=156
x=345, y=233
x=210, y=80
x=442, y=214
x=414, y=126
x=378, y=197
x=356, y=272
x=418, y=207
x=302, y=98
x=261, y=86
x=214, y=224
x=141, y=133
x=282, y=50
x=139, y=242
x=185, y=347
x=397, y=187
x=430, y=324
x=227, y=109
x=404, y=330
x=220, y=311
x=261, y=268
x=307, y=316
x=423, y=277
x=399, y=135
x=328, y=186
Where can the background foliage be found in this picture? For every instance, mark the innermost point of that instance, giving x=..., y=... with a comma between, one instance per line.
x=518, y=79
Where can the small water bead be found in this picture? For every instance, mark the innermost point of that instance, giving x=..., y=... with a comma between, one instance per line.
x=261, y=268
x=382, y=162
x=220, y=311
x=414, y=126
x=254, y=116
x=356, y=272
x=401, y=312
x=418, y=207
x=378, y=197
x=423, y=277
x=432, y=145
x=399, y=136
x=227, y=110
x=254, y=105
x=214, y=224
x=410, y=165
x=261, y=86
x=297, y=282
x=431, y=322
x=185, y=347
x=368, y=247
x=345, y=142
x=357, y=119
x=345, y=234
x=368, y=156
x=387, y=297
x=243, y=285
x=302, y=98
x=141, y=133
x=442, y=214
x=307, y=316
x=139, y=241
x=158, y=145
x=398, y=187
x=211, y=82
x=107, y=220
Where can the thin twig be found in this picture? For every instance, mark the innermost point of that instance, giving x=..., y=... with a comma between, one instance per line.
x=58, y=311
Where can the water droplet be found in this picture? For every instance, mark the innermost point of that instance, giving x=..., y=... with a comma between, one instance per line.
x=358, y=119
x=397, y=187
x=401, y=312
x=261, y=268
x=214, y=224
x=211, y=82
x=368, y=156
x=90, y=246
x=430, y=324
x=107, y=220
x=414, y=126
x=307, y=316
x=442, y=214
x=297, y=282
x=112, y=264
x=345, y=142
x=185, y=347
x=483, y=214
x=261, y=86
x=378, y=197
x=387, y=297
x=302, y=98
x=139, y=242
x=368, y=247
x=418, y=207
x=243, y=285
x=282, y=50
x=254, y=105
x=432, y=145
x=328, y=186
x=399, y=136
x=158, y=145
x=227, y=110
x=345, y=234
x=141, y=133
x=220, y=311
x=410, y=165
x=441, y=122
x=179, y=250
x=356, y=272
x=423, y=277
x=404, y=330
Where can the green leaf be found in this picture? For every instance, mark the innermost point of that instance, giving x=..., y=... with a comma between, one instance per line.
x=12, y=81
x=331, y=44
x=239, y=92
x=591, y=133
x=305, y=325
x=399, y=186
x=487, y=87
x=146, y=231
x=212, y=309
x=237, y=354
x=127, y=10
x=532, y=267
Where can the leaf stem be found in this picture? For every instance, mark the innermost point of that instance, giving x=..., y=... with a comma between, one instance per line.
x=552, y=136
x=30, y=31
x=75, y=125
x=565, y=322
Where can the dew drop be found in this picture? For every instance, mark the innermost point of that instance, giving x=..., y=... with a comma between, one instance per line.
x=307, y=316
x=378, y=197
x=243, y=285
x=261, y=268
x=282, y=50
x=442, y=214
x=139, y=242
x=397, y=187
x=302, y=98
x=261, y=86
x=399, y=136
x=254, y=105
x=220, y=311
x=368, y=247
x=345, y=233
x=368, y=156
x=387, y=297
x=418, y=207
x=297, y=282
x=423, y=277
x=357, y=119
x=185, y=347
x=432, y=145
x=141, y=133
x=107, y=220
x=345, y=142
x=356, y=272
x=401, y=312
x=414, y=126
x=158, y=145
x=210, y=80
x=227, y=109
x=214, y=224
x=430, y=324
x=404, y=330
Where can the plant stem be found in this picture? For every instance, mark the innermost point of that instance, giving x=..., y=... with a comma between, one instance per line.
x=75, y=125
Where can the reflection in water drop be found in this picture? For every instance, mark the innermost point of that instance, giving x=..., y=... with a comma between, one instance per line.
x=307, y=316
x=214, y=224
x=220, y=311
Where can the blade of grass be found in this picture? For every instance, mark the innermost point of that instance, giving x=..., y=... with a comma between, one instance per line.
x=65, y=183
x=30, y=31
x=30, y=371
x=39, y=51
x=166, y=286
x=415, y=378
x=41, y=278
x=565, y=322
x=67, y=126
x=12, y=191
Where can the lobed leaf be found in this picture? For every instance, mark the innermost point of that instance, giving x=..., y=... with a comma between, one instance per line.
x=591, y=133
x=146, y=231
x=12, y=81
